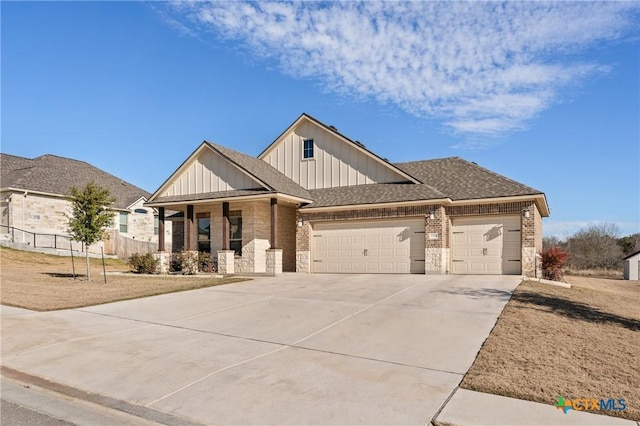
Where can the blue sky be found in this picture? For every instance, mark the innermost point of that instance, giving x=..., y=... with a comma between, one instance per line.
x=547, y=94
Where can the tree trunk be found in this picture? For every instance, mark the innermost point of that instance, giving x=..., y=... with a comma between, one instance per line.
x=86, y=247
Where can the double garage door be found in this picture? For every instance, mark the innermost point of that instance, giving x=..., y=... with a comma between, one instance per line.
x=485, y=245
x=382, y=247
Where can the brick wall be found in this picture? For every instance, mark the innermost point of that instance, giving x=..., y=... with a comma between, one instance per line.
x=287, y=236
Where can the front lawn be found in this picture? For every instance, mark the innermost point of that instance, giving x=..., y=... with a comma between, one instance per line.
x=43, y=282
x=581, y=342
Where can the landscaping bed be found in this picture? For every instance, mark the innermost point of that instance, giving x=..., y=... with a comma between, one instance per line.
x=43, y=282
x=579, y=342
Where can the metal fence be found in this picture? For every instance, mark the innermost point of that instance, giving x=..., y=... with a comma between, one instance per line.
x=36, y=240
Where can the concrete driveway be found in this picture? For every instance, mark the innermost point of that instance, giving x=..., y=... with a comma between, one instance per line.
x=296, y=349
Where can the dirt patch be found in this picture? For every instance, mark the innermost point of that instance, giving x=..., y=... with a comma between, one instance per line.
x=43, y=282
x=581, y=342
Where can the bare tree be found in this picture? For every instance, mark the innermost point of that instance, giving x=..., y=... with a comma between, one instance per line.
x=551, y=242
x=630, y=244
x=595, y=246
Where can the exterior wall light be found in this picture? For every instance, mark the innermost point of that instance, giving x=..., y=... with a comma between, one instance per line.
x=300, y=223
x=527, y=214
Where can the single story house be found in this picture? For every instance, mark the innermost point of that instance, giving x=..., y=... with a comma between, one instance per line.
x=632, y=266
x=316, y=201
x=34, y=200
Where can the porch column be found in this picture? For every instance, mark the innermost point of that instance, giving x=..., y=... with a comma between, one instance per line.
x=161, y=229
x=226, y=257
x=189, y=242
x=225, y=226
x=274, y=223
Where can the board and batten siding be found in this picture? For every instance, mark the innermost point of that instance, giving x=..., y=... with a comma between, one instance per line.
x=335, y=162
x=209, y=172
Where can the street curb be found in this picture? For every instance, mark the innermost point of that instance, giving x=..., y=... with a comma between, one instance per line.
x=104, y=401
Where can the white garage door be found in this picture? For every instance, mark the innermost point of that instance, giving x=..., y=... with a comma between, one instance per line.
x=488, y=245
x=392, y=246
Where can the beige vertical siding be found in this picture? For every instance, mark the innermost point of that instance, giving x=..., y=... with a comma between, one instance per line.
x=208, y=172
x=335, y=163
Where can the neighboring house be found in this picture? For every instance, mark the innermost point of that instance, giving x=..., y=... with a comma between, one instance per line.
x=34, y=198
x=632, y=266
x=328, y=204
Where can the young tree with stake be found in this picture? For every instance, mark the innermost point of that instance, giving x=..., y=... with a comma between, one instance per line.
x=89, y=215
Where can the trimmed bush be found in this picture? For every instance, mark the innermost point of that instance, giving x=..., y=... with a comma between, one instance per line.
x=143, y=263
x=553, y=260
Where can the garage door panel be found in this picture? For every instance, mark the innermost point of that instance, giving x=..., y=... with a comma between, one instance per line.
x=389, y=246
x=486, y=245
x=388, y=239
x=359, y=240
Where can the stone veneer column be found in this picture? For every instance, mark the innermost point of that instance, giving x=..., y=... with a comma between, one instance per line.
x=530, y=253
x=303, y=253
x=274, y=261
x=436, y=259
x=164, y=262
x=226, y=261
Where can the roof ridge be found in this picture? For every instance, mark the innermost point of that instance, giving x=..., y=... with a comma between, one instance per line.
x=430, y=159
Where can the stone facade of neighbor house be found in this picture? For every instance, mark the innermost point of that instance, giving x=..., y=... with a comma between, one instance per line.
x=34, y=194
x=333, y=206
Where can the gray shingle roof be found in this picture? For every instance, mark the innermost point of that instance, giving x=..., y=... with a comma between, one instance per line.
x=276, y=181
x=56, y=175
x=452, y=178
x=211, y=195
x=373, y=193
x=459, y=179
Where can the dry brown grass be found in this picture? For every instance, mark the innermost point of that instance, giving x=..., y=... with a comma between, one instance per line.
x=43, y=282
x=595, y=273
x=582, y=342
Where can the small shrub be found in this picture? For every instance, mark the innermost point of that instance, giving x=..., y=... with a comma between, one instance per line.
x=189, y=262
x=143, y=263
x=206, y=263
x=553, y=260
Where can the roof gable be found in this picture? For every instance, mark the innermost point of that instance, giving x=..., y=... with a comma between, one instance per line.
x=207, y=170
x=56, y=175
x=212, y=170
x=338, y=161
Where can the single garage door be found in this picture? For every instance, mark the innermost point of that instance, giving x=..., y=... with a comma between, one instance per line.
x=487, y=245
x=380, y=247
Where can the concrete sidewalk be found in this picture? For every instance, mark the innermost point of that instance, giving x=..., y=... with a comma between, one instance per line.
x=469, y=408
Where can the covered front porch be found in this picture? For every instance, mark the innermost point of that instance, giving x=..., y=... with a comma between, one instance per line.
x=243, y=235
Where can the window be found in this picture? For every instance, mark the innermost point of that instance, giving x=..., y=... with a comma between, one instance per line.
x=156, y=225
x=307, y=148
x=124, y=216
x=204, y=235
x=235, y=232
x=141, y=211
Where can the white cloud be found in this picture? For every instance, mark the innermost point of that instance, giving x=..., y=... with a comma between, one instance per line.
x=483, y=68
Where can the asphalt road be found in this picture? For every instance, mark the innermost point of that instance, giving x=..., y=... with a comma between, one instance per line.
x=16, y=415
